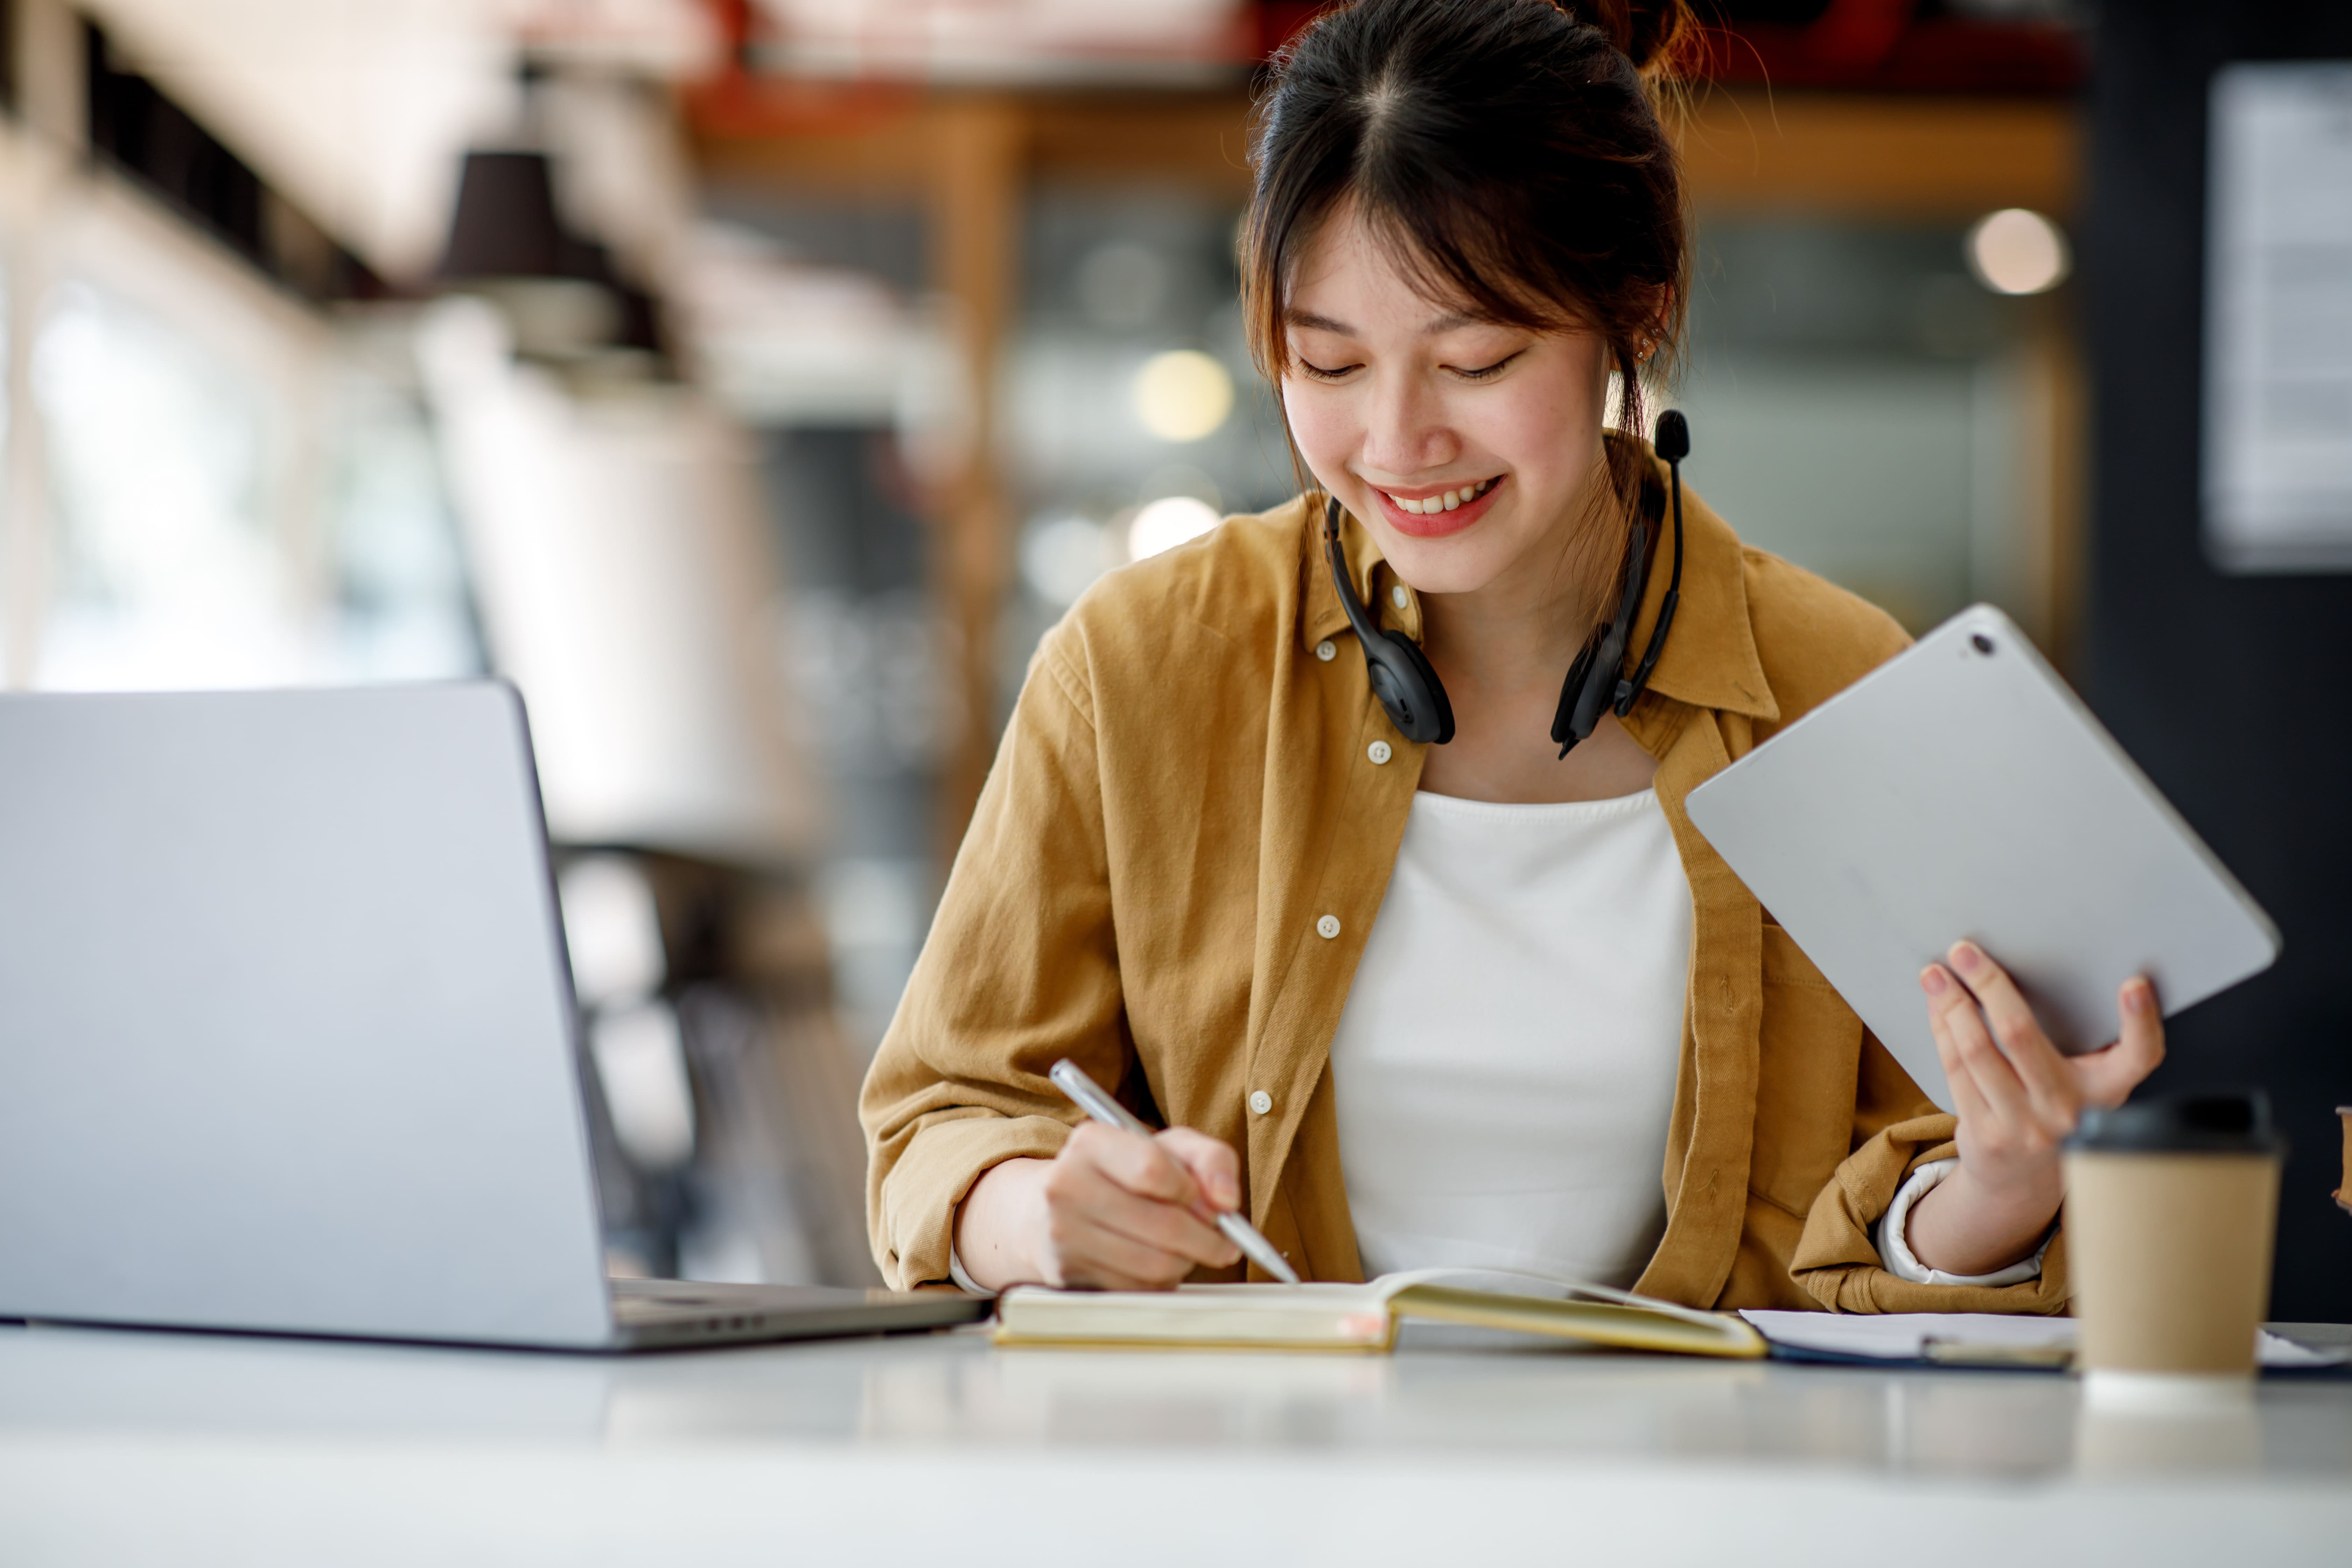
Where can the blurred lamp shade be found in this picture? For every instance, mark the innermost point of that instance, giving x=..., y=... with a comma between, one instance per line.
x=505, y=225
x=560, y=290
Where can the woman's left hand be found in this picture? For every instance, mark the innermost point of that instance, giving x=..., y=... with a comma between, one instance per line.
x=2018, y=1097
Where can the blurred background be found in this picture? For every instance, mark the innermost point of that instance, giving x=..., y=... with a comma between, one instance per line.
x=754, y=381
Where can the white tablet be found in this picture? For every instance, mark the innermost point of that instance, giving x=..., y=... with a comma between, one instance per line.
x=1963, y=790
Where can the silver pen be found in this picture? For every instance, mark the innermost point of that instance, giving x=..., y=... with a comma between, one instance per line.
x=1072, y=1081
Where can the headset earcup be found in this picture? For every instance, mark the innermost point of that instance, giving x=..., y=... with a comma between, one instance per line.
x=1563, y=722
x=1408, y=690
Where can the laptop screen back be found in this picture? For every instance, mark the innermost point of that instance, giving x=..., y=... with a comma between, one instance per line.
x=285, y=1020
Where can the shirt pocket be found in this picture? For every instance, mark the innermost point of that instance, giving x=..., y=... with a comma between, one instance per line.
x=1809, y=1050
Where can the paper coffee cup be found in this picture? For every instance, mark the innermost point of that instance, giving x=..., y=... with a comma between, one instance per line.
x=2171, y=1207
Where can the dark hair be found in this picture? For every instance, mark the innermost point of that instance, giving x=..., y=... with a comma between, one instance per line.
x=1510, y=151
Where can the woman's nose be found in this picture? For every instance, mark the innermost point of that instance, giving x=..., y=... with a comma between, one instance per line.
x=1405, y=431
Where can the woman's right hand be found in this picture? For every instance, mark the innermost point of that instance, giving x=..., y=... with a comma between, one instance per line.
x=1114, y=1210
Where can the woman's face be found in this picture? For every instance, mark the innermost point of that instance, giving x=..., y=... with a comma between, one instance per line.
x=1466, y=446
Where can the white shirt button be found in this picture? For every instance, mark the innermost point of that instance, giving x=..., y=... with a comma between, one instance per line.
x=1261, y=1102
x=1378, y=751
x=1327, y=650
x=1328, y=927
x=1399, y=597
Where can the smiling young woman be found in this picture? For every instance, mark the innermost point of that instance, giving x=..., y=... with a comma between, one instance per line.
x=1482, y=1000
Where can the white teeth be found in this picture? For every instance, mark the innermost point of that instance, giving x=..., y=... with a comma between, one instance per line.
x=1450, y=501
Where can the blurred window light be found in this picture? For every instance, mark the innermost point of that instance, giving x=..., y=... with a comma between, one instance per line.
x=1062, y=556
x=172, y=574
x=1167, y=523
x=1183, y=394
x=404, y=611
x=640, y=1058
x=612, y=929
x=2017, y=251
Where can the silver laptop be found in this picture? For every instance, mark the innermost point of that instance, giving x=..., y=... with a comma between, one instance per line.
x=287, y=1035
x=1962, y=790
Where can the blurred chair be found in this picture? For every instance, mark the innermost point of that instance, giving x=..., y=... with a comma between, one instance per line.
x=723, y=1099
x=622, y=563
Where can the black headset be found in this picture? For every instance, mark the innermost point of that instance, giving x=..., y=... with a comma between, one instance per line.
x=1415, y=699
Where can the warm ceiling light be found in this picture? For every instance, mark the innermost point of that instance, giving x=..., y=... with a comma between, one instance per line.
x=1183, y=395
x=2014, y=251
x=1167, y=523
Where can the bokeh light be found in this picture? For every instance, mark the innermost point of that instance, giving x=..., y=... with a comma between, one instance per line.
x=1167, y=523
x=1183, y=395
x=2017, y=251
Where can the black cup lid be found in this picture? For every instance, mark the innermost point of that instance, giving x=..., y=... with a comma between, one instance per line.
x=2189, y=1123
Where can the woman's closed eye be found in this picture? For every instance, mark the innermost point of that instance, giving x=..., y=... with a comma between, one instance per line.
x=1482, y=372
x=1467, y=372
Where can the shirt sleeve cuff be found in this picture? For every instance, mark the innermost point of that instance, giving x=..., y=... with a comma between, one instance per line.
x=964, y=1281
x=1895, y=1249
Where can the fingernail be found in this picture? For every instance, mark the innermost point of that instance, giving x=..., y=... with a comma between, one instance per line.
x=1967, y=957
x=2139, y=995
x=1932, y=980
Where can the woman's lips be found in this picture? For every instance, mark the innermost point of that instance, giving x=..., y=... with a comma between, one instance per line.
x=1437, y=524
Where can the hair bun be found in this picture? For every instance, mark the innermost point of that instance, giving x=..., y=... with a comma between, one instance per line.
x=1655, y=34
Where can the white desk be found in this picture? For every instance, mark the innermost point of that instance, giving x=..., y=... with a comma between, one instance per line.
x=121, y=1446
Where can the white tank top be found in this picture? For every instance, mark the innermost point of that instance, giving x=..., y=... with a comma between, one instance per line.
x=1505, y=1067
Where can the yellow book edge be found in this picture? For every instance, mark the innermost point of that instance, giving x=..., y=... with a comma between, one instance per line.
x=1592, y=1323
x=1677, y=1332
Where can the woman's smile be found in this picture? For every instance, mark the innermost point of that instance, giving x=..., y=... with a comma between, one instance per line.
x=1426, y=513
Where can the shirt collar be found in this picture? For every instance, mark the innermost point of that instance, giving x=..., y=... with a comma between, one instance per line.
x=1709, y=660
x=1322, y=616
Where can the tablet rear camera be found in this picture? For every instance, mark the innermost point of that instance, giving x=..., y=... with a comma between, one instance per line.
x=1980, y=642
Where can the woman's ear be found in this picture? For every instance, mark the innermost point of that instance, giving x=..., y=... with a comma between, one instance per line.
x=1658, y=322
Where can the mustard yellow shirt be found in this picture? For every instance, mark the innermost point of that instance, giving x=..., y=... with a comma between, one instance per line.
x=1183, y=803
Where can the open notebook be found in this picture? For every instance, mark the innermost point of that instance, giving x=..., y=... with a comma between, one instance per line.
x=1365, y=1317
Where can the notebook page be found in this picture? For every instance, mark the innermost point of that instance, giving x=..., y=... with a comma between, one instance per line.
x=1904, y=1336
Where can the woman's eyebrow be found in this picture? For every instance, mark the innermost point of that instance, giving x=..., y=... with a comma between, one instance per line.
x=1315, y=323
x=1435, y=325
x=1453, y=319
